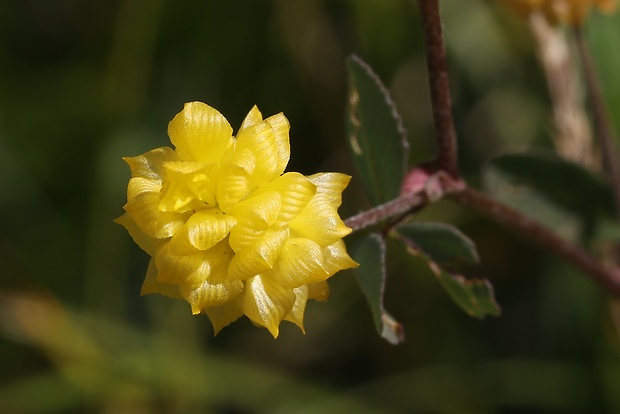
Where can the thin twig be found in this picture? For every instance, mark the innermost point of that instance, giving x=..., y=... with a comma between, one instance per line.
x=439, y=83
x=602, y=124
x=404, y=204
x=446, y=162
x=540, y=236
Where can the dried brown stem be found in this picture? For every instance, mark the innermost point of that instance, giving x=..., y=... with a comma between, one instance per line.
x=572, y=135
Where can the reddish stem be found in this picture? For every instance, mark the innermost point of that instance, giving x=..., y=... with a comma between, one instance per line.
x=540, y=236
x=404, y=204
x=445, y=134
x=417, y=197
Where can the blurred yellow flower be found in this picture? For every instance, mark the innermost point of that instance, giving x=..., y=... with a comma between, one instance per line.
x=573, y=12
x=226, y=229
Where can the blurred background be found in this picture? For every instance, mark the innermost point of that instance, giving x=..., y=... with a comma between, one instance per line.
x=84, y=83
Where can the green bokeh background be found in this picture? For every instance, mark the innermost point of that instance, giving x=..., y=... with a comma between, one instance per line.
x=84, y=83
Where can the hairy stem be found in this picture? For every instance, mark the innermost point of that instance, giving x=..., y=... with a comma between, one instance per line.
x=407, y=203
x=439, y=83
x=540, y=236
x=509, y=218
x=602, y=124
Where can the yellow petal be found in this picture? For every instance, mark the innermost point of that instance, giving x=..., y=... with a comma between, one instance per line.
x=260, y=141
x=219, y=257
x=296, y=315
x=152, y=285
x=146, y=243
x=259, y=257
x=141, y=185
x=200, y=133
x=300, y=263
x=203, y=230
x=223, y=315
x=208, y=295
x=318, y=291
x=188, y=186
x=331, y=185
x=227, y=230
x=295, y=191
x=253, y=117
x=142, y=207
x=336, y=258
x=233, y=185
x=244, y=158
x=266, y=303
x=254, y=216
x=320, y=222
x=150, y=164
x=281, y=128
x=181, y=269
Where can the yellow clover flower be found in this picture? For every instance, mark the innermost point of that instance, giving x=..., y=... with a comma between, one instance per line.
x=227, y=230
x=573, y=12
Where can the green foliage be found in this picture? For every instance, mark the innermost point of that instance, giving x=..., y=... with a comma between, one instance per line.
x=375, y=133
x=566, y=184
x=371, y=274
x=475, y=297
x=376, y=142
x=564, y=196
x=442, y=246
x=158, y=373
x=441, y=242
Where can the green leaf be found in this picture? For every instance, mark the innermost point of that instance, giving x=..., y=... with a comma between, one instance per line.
x=376, y=136
x=474, y=296
x=564, y=183
x=369, y=252
x=539, y=207
x=443, y=243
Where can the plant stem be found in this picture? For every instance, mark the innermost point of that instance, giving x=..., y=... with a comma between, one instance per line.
x=572, y=133
x=540, y=236
x=439, y=84
x=521, y=225
x=602, y=124
x=406, y=203
x=446, y=162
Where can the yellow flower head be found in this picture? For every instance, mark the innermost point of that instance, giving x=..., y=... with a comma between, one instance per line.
x=573, y=12
x=227, y=230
